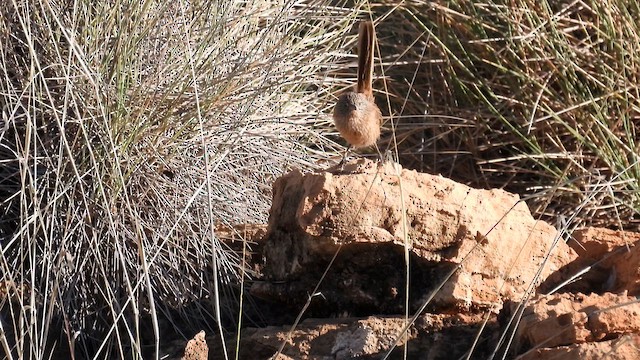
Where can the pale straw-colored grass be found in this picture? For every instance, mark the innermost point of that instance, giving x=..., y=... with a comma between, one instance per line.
x=129, y=131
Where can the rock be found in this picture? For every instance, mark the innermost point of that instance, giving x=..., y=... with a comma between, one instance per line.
x=336, y=241
x=566, y=320
x=594, y=243
x=620, y=255
x=612, y=259
x=196, y=348
x=623, y=348
x=489, y=236
x=434, y=336
x=367, y=337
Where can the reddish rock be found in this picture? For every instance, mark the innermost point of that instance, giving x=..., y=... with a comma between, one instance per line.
x=489, y=235
x=595, y=243
x=319, y=339
x=433, y=336
x=553, y=321
x=609, y=261
x=485, y=239
x=623, y=348
x=618, y=256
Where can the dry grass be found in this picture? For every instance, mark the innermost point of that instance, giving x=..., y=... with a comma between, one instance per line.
x=537, y=97
x=130, y=129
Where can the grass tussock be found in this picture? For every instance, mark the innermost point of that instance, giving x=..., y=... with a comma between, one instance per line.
x=539, y=97
x=129, y=130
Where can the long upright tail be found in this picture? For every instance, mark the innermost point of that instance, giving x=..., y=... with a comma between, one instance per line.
x=366, y=46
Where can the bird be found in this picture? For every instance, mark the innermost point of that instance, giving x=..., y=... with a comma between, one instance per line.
x=356, y=115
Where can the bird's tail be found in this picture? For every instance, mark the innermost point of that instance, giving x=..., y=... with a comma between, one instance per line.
x=366, y=44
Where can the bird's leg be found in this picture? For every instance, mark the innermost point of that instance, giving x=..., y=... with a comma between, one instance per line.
x=344, y=158
x=386, y=157
x=381, y=158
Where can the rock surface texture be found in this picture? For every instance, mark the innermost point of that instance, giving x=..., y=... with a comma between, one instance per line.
x=486, y=240
x=197, y=348
x=486, y=279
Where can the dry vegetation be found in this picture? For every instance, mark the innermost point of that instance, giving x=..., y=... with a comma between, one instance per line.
x=537, y=97
x=130, y=129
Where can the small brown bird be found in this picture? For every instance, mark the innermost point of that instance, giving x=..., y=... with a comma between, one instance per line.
x=356, y=114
